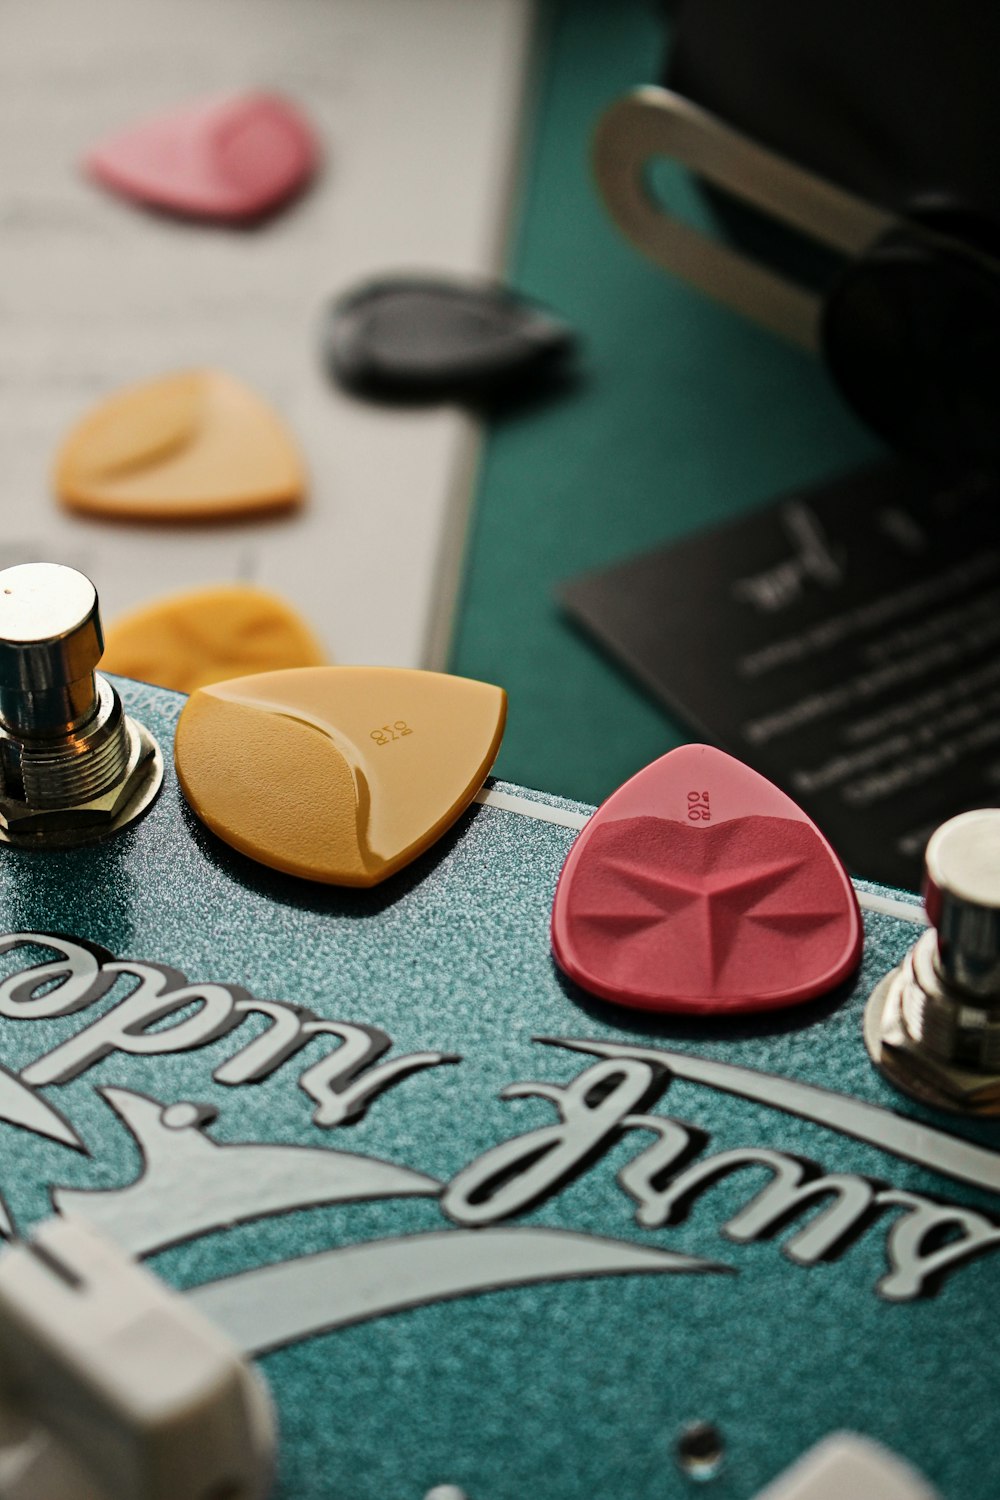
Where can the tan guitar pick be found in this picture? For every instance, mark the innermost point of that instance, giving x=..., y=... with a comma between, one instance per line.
x=194, y=446
x=338, y=774
x=206, y=635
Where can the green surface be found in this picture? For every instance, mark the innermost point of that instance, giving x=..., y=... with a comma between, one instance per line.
x=686, y=415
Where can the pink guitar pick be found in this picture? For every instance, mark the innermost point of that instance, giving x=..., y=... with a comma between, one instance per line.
x=230, y=158
x=698, y=886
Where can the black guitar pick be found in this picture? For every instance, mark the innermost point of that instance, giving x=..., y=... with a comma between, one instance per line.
x=427, y=339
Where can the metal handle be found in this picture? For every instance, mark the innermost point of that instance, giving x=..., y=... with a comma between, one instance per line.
x=653, y=122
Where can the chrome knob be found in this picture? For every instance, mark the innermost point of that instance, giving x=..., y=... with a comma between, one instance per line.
x=74, y=767
x=933, y=1025
x=50, y=643
x=962, y=897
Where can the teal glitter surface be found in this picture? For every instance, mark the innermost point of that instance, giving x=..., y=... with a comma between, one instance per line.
x=564, y=1388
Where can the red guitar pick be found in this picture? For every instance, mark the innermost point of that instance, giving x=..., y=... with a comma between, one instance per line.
x=234, y=157
x=700, y=887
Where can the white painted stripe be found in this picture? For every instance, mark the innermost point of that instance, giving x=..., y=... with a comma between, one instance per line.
x=541, y=810
x=888, y=906
x=269, y=1306
x=904, y=911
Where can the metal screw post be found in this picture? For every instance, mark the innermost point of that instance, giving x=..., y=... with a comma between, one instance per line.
x=74, y=768
x=933, y=1025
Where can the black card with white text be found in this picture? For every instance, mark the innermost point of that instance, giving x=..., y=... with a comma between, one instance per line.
x=844, y=641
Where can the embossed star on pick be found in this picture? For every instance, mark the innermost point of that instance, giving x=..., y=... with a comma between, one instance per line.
x=233, y=157
x=699, y=886
x=337, y=774
x=188, y=640
x=193, y=446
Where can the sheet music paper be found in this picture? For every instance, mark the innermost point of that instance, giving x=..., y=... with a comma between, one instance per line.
x=417, y=103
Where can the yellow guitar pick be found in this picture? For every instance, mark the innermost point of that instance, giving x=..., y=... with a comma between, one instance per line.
x=206, y=635
x=194, y=446
x=337, y=774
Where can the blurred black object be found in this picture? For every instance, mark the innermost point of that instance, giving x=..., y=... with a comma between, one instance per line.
x=425, y=339
x=911, y=335
x=896, y=101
